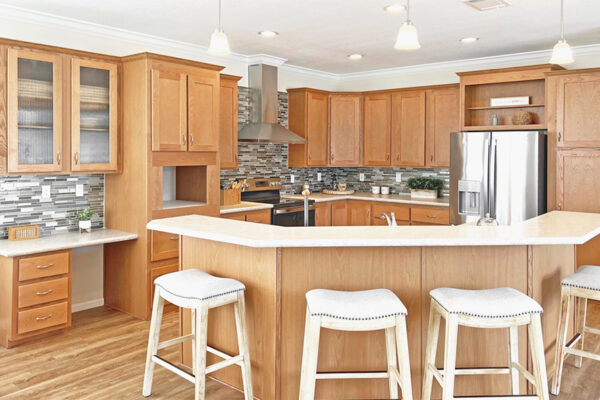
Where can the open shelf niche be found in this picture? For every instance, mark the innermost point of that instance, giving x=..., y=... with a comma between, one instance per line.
x=183, y=186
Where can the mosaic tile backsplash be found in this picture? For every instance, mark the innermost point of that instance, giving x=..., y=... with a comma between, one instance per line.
x=271, y=160
x=21, y=202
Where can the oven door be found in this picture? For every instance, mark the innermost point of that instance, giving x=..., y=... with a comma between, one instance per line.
x=292, y=216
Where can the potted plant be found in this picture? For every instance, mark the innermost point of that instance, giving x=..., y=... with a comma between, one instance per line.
x=424, y=188
x=85, y=219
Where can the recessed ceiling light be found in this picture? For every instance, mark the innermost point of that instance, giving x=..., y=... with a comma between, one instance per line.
x=469, y=39
x=355, y=56
x=394, y=8
x=268, y=34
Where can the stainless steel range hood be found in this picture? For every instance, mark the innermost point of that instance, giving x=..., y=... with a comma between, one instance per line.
x=263, y=126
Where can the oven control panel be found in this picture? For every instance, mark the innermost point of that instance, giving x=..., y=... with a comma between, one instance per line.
x=258, y=184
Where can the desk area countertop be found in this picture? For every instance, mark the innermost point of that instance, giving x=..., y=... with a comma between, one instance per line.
x=388, y=198
x=63, y=241
x=554, y=228
x=244, y=206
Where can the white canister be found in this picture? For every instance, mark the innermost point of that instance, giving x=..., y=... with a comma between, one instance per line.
x=375, y=189
x=385, y=190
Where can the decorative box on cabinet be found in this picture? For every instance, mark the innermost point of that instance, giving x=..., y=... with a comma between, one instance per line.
x=228, y=126
x=308, y=117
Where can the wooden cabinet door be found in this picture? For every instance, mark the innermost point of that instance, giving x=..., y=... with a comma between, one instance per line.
x=344, y=130
x=577, y=116
x=169, y=111
x=376, y=134
x=203, y=106
x=408, y=129
x=259, y=217
x=442, y=118
x=34, y=111
x=323, y=214
x=339, y=213
x=94, y=115
x=359, y=212
x=578, y=181
x=316, y=135
x=228, y=124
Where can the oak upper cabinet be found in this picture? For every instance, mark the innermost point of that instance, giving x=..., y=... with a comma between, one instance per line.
x=577, y=180
x=94, y=115
x=359, y=212
x=377, y=130
x=169, y=111
x=408, y=128
x=228, y=122
x=35, y=111
x=308, y=117
x=203, y=91
x=443, y=117
x=577, y=109
x=344, y=130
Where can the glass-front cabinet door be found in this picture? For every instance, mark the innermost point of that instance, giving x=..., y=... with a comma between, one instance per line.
x=94, y=115
x=34, y=111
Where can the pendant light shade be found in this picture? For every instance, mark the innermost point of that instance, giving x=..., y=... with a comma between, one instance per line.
x=407, y=38
x=562, y=53
x=219, y=44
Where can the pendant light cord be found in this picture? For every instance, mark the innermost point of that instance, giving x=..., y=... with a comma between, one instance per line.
x=562, y=19
x=220, y=27
x=407, y=10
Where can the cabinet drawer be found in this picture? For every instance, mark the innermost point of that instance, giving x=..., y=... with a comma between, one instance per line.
x=437, y=216
x=42, y=317
x=164, y=246
x=43, y=292
x=160, y=271
x=236, y=216
x=43, y=266
x=259, y=217
x=402, y=213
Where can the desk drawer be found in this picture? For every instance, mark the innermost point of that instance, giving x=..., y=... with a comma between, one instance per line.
x=43, y=266
x=437, y=216
x=42, y=317
x=164, y=246
x=43, y=292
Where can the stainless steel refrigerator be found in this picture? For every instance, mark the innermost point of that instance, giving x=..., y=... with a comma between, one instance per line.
x=501, y=173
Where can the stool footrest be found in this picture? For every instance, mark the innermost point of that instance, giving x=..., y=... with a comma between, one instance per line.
x=225, y=363
x=582, y=353
x=173, y=368
x=172, y=342
x=593, y=331
x=352, y=375
x=507, y=397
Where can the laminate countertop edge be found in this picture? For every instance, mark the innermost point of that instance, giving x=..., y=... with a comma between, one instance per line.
x=384, y=198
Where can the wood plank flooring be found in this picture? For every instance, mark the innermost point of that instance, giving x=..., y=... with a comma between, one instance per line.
x=102, y=357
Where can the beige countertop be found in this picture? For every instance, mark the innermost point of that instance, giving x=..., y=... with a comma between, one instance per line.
x=244, y=206
x=557, y=227
x=62, y=241
x=392, y=198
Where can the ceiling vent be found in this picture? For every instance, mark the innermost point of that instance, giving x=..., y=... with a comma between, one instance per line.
x=486, y=5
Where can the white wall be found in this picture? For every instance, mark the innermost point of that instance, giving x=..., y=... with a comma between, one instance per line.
x=88, y=278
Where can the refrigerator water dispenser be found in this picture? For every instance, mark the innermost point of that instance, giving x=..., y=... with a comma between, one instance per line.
x=469, y=197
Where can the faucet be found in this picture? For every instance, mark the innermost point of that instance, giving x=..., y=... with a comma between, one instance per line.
x=306, y=193
x=390, y=221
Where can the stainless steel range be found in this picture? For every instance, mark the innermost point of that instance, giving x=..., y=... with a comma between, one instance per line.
x=285, y=212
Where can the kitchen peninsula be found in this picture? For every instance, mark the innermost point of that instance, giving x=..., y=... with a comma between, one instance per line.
x=279, y=265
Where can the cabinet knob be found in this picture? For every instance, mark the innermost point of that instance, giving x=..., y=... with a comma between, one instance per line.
x=559, y=207
x=76, y=158
x=387, y=156
x=559, y=137
x=192, y=140
x=184, y=139
x=397, y=156
x=58, y=157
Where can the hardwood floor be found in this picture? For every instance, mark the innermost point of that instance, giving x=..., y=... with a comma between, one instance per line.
x=102, y=357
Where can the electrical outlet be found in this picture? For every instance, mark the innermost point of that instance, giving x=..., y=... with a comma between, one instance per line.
x=45, y=193
x=79, y=190
x=361, y=177
x=398, y=177
x=319, y=176
x=292, y=179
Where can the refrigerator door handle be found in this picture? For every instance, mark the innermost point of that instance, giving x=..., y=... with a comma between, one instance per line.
x=486, y=180
x=492, y=178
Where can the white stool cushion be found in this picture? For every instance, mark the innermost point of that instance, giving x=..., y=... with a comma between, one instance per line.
x=189, y=287
x=588, y=277
x=361, y=305
x=489, y=303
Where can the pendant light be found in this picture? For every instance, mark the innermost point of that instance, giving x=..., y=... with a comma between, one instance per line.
x=562, y=53
x=407, y=38
x=219, y=44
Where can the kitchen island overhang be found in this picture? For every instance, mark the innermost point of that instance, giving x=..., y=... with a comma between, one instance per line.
x=279, y=265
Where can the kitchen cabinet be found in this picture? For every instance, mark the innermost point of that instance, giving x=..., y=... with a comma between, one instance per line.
x=228, y=122
x=377, y=130
x=577, y=180
x=422, y=215
x=94, y=115
x=344, y=130
x=309, y=118
x=339, y=213
x=442, y=118
x=258, y=216
x=401, y=213
x=323, y=214
x=408, y=128
x=359, y=212
x=163, y=246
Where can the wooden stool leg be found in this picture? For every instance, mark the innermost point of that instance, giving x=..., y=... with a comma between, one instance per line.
x=433, y=334
x=193, y=323
x=200, y=352
x=450, y=357
x=580, y=316
x=561, y=339
x=513, y=357
x=242, y=335
x=310, y=356
x=157, y=312
x=390, y=347
x=538, y=359
x=403, y=358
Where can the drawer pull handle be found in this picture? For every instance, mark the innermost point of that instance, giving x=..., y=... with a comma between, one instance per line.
x=44, y=293
x=44, y=266
x=431, y=216
x=174, y=238
x=43, y=318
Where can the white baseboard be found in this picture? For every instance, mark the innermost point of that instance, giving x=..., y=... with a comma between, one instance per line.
x=86, y=305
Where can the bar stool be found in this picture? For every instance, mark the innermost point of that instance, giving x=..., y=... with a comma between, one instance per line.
x=367, y=310
x=582, y=285
x=200, y=292
x=491, y=308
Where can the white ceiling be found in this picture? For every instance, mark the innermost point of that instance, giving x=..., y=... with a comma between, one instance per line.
x=319, y=34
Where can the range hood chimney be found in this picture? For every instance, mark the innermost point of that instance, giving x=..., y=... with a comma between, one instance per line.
x=263, y=126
